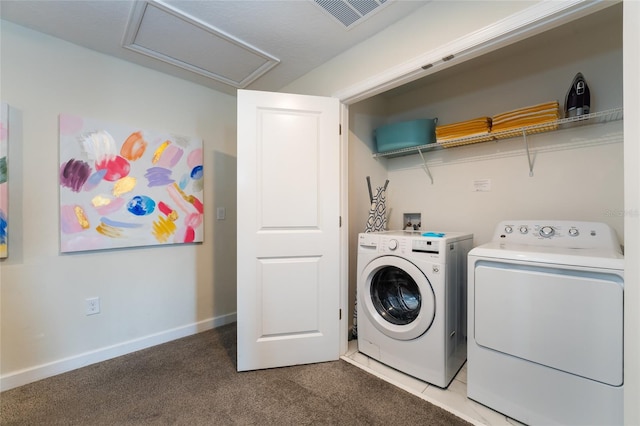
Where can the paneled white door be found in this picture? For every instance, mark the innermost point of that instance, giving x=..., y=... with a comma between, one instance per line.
x=288, y=229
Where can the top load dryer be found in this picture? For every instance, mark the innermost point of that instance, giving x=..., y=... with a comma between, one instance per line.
x=545, y=319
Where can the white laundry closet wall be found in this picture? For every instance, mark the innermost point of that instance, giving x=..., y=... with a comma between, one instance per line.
x=577, y=171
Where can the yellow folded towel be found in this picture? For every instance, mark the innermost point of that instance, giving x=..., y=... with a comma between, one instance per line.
x=524, y=116
x=554, y=105
x=536, y=115
x=463, y=129
x=481, y=121
x=524, y=122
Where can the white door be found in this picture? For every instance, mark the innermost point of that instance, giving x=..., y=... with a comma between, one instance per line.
x=288, y=229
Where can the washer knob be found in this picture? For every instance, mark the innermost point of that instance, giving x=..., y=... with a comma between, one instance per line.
x=524, y=229
x=508, y=229
x=547, y=231
x=393, y=244
x=574, y=232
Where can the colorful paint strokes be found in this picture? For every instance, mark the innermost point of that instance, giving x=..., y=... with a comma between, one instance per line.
x=127, y=187
x=4, y=197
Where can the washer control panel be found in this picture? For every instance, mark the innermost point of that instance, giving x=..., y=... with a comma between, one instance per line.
x=401, y=243
x=557, y=234
x=383, y=244
x=425, y=246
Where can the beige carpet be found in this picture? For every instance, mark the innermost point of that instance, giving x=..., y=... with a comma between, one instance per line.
x=193, y=381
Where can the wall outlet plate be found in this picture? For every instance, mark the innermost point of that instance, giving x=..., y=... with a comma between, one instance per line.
x=92, y=306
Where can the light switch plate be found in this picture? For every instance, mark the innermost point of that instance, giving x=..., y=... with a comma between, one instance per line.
x=221, y=213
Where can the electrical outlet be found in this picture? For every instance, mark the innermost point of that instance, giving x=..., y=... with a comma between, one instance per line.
x=93, y=306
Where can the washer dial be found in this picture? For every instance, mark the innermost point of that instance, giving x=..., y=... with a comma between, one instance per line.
x=547, y=232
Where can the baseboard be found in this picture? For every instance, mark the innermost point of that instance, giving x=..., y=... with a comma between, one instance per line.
x=39, y=372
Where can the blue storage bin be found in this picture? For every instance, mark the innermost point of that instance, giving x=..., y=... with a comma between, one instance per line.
x=405, y=134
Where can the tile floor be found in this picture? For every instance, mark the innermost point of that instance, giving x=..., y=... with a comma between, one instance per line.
x=453, y=399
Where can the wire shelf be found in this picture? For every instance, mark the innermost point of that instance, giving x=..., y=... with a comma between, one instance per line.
x=591, y=118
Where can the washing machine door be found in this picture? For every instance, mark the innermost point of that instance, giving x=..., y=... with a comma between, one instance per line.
x=397, y=297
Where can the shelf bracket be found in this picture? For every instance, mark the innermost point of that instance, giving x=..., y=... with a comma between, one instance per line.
x=424, y=166
x=526, y=146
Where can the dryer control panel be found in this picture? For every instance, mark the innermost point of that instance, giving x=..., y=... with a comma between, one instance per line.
x=567, y=234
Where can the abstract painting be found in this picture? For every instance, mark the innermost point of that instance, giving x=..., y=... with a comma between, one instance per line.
x=4, y=197
x=127, y=187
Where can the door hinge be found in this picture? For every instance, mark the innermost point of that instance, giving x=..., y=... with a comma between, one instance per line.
x=340, y=314
x=340, y=129
x=340, y=221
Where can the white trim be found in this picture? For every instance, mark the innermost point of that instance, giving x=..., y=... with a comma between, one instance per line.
x=344, y=230
x=631, y=101
x=531, y=21
x=39, y=372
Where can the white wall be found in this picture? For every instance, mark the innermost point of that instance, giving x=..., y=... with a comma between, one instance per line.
x=577, y=171
x=583, y=183
x=148, y=295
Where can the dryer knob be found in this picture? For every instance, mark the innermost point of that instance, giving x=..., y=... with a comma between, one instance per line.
x=393, y=244
x=508, y=229
x=574, y=232
x=547, y=232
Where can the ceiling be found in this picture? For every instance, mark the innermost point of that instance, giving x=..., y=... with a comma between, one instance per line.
x=224, y=45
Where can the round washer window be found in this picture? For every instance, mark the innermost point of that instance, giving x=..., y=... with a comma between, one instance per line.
x=395, y=295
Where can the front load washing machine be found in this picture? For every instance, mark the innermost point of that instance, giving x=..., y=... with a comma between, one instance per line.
x=412, y=301
x=545, y=339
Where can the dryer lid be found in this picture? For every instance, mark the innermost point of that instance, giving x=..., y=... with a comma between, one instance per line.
x=575, y=257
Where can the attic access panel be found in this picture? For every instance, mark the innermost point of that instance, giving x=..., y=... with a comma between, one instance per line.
x=165, y=33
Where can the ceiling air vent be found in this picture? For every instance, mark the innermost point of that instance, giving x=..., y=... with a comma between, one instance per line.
x=351, y=12
x=163, y=32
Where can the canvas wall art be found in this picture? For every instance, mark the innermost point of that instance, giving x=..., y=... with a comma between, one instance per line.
x=4, y=185
x=127, y=187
